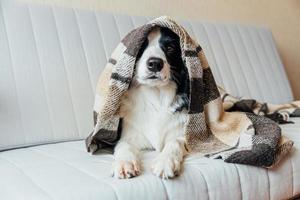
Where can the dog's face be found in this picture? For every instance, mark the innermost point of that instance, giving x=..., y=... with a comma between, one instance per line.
x=159, y=60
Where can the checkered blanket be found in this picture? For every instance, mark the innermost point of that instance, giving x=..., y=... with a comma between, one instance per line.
x=236, y=137
x=279, y=113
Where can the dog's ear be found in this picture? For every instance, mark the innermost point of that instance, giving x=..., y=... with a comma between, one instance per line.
x=181, y=100
x=181, y=77
x=142, y=49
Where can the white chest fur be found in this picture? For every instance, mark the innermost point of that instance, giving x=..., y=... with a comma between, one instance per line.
x=147, y=116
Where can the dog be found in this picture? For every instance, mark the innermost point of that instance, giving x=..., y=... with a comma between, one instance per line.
x=154, y=109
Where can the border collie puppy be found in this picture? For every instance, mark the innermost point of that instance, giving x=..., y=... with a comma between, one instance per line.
x=149, y=109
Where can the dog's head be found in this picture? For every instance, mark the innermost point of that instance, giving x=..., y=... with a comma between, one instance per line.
x=159, y=60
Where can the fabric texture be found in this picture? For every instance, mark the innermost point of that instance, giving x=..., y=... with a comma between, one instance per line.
x=36, y=173
x=279, y=113
x=235, y=137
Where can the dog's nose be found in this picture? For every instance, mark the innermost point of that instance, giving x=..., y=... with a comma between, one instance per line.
x=155, y=64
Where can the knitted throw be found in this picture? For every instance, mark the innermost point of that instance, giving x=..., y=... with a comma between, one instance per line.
x=235, y=137
x=279, y=113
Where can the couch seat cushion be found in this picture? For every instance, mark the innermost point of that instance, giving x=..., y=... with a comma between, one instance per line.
x=65, y=171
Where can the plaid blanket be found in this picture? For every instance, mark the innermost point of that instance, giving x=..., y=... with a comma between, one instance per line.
x=236, y=137
x=279, y=113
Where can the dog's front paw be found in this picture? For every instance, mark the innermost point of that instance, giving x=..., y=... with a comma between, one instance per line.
x=166, y=167
x=126, y=169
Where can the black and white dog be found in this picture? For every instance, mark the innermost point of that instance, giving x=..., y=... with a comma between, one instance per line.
x=150, y=121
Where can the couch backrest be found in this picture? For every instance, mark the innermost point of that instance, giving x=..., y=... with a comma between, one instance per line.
x=50, y=60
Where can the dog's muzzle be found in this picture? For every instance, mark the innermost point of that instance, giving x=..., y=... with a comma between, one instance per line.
x=155, y=64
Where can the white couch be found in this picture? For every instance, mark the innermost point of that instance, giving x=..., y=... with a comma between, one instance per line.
x=50, y=60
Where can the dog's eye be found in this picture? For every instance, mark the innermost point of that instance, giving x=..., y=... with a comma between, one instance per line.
x=170, y=49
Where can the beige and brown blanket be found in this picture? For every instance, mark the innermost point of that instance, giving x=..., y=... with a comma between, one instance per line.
x=236, y=137
x=279, y=113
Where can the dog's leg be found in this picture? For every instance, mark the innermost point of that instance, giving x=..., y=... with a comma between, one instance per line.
x=168, y=162
x=127, y=163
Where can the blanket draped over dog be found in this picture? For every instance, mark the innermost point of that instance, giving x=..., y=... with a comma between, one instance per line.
x=236, y=137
